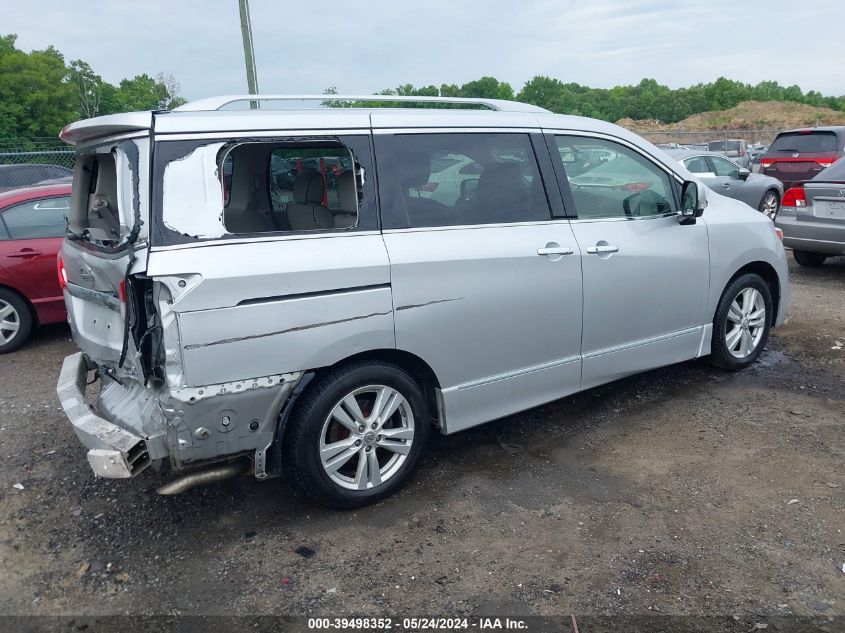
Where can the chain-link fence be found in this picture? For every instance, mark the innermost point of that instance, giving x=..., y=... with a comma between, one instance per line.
x=703, y=137
x=34, y=162
x=745, y=146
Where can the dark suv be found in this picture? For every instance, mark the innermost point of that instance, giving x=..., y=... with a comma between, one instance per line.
x=799, y=155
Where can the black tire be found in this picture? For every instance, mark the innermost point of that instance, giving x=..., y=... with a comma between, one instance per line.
x=762, y=206
x=809, y=259
x=720, y=354
x=305, y=428
x=20, y=315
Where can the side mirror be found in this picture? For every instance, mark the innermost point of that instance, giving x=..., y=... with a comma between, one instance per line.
x=743, y=173
x=692, y=202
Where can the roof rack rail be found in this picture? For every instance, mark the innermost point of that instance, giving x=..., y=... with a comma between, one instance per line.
x=217, y=103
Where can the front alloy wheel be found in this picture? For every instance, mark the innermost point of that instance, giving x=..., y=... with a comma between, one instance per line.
x=742, y=322
x=15, y=321
x=10, y=322
x=746, y=323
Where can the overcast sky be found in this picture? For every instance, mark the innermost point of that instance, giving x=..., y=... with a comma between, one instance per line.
x=304, y=46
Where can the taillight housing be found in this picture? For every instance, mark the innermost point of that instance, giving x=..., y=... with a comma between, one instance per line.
x=767, y=163
x=794, y=198
x=60, y=269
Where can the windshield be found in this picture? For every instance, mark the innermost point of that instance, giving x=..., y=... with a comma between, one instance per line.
x=805, y=142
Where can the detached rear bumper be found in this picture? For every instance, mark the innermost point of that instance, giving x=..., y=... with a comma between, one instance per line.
x=113, y=452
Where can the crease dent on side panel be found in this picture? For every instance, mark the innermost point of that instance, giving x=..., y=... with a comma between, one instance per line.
x=298, y=328
x=411, y=306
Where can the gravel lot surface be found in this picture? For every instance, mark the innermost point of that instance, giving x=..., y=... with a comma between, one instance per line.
x=685, y=490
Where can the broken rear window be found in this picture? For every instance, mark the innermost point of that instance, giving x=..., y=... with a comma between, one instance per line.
x=104, y=206
x=254, y=186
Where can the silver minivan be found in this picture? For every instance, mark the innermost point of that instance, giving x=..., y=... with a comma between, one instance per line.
x=314, y=289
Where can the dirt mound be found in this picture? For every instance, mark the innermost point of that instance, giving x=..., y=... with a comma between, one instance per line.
x=748, y=115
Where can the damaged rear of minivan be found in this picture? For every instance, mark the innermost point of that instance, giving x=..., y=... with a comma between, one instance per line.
x=129, y=337
x=100, y=270
x=208, y=276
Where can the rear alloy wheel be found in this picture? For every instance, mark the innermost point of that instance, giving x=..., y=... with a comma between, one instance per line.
x=770, y=204
x=742, y=323
x=357, y=434
x=807, y=258
x=15, y=321
x=367, y=437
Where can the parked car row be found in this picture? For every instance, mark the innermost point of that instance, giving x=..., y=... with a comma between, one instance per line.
x=797, y=156
x=794, y=158
x=812, y=216
x=724, y=176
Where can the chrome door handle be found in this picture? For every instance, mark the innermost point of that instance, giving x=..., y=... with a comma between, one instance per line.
x=557, y=250
x=605, y=248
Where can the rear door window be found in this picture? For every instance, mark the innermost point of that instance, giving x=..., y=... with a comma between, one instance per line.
x=443, y=179
x=698, y=165
x=213, y=190
x=269, y=187
x=37, y=218
x=722, y=167
x=809, y=142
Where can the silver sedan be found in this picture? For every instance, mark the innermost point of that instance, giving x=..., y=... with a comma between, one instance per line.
x=724, y=176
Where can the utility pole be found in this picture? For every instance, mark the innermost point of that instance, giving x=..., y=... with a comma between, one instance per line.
x=249, y=53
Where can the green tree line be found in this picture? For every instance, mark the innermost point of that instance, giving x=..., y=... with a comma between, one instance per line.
x=40, y=93
x=646, y=100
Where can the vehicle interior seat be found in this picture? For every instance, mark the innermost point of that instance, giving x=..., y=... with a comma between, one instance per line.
x=306, y=212
x=103, y=220
x=501, y=189
x=247, y=210
x=347, y=195
x=414, y=171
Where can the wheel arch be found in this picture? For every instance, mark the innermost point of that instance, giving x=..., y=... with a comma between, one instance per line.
x=413, y=364
x=419, y=369
x=769, y=275
x=767, y=191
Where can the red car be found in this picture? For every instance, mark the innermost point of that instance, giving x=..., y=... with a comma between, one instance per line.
x=32, y=227
x=796, y=156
